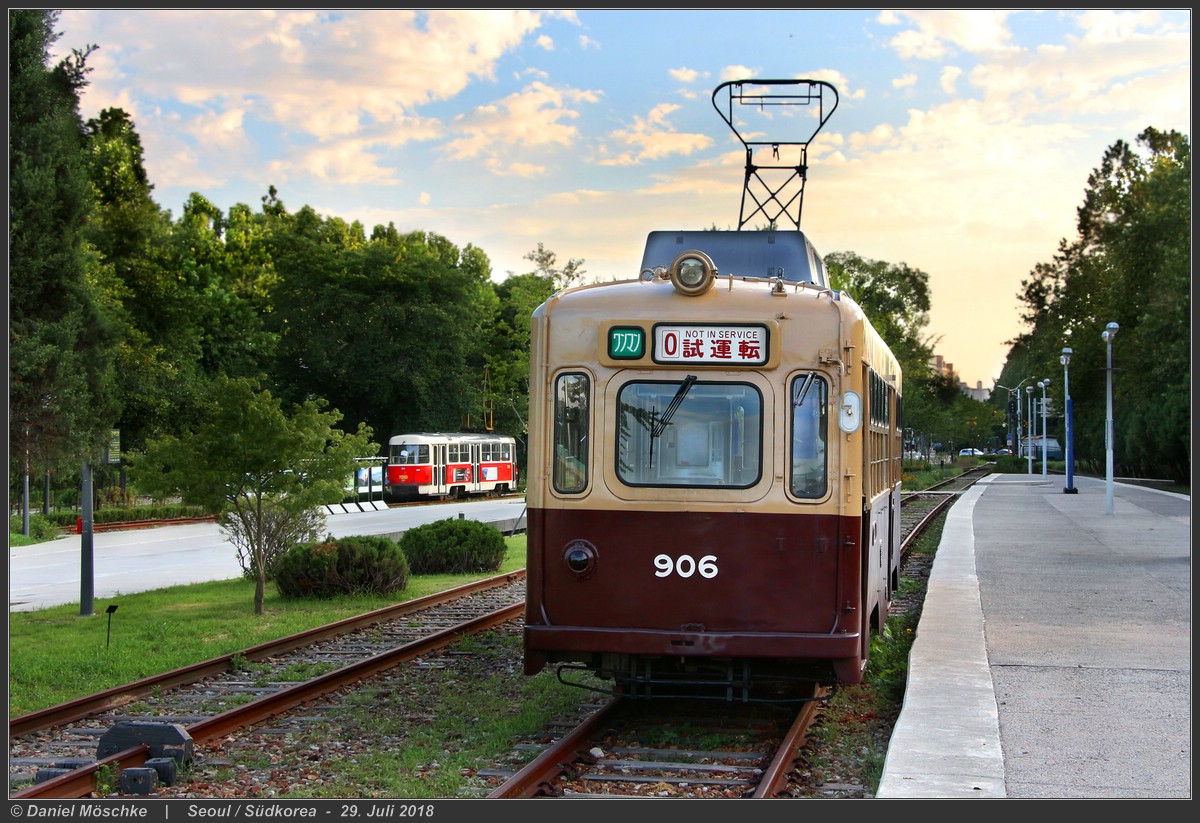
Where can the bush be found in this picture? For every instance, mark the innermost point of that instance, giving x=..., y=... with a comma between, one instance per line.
x=40, y=527
x=453, y=547
x=360, y=564
x=65, y=518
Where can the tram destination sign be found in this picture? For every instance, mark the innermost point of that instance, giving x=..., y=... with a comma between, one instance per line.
x=711, y=343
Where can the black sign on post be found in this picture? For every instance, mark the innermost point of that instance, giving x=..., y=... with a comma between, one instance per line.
x=109, y=611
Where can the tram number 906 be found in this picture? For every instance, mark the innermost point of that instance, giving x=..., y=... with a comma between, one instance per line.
x=685, y=565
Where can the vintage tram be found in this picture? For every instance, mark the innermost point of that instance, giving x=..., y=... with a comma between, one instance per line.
x=713, y=494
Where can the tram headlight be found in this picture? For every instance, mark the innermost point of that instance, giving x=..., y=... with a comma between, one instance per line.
x=580, y=558
x=693, y=273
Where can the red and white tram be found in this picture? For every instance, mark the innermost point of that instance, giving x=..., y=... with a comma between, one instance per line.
x=432, y=464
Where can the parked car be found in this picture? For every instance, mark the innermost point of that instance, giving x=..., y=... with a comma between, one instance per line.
x=969, y=453
x=1004, y=452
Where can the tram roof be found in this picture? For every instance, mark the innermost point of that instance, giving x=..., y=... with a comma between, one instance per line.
x=742, y=253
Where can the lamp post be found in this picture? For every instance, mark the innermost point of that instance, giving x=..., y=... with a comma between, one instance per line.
x=1029, y=394
x=1044, y=384
x=1110, y=332
x=1065, y=359
x=1017, y=391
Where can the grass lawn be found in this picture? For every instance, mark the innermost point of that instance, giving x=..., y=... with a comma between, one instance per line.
x=55, y=655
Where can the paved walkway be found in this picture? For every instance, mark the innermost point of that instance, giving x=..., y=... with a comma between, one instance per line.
x=1053, y=655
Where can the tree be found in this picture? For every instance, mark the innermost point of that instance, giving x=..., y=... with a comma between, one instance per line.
x=896, y=300
x=62, y=342
x=508, y=352
x=391, y=331
x=545, y=262
x=128, y=231
x=1129, y=264
x=249, y=461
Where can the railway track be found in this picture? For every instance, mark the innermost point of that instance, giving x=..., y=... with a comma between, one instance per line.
x=605, y=755
x=234, y=695
x=629, y=749
x=65, y=745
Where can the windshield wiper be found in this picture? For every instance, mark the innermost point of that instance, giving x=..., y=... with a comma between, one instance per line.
x=660, y=425
x=802, y=392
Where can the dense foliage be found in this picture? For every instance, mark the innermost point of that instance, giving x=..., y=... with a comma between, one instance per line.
x=1130, y=264
x=453, y=547
x=62, y=336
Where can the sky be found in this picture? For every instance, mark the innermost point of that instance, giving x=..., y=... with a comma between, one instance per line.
x=960, y=144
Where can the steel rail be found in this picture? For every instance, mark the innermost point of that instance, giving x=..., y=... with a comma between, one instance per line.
x=534, y=778
x=775, y=776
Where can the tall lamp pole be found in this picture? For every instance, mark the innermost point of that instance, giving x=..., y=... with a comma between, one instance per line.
x=1044, y=384
x=1017, y=391
x=1065, y=359
x=1109, y=333
x=1029, y=450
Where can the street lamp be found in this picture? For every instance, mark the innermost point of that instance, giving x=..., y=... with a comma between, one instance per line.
x=1029, y=393
x=1110, y=332
x=1065, y=359
x=1044, y=384
x=1017, y=391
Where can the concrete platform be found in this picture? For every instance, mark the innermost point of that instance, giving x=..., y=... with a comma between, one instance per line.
x=1053, y=654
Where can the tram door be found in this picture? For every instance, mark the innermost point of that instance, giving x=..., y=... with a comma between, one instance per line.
x=476, y=472
x=439, y=468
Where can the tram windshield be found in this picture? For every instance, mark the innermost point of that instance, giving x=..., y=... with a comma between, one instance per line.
x=408, y=454
x=688, y=433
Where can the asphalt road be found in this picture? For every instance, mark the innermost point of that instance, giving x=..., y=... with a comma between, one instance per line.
x=124, y=562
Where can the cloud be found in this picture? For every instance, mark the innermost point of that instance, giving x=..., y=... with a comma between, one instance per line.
x=651, y=138
x=949, y=77
x=535, y=117
x=325, y=73
x=938, y=32
x=737, y=73
x=345, y=163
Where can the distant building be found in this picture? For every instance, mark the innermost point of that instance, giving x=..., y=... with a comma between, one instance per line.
x=944, y=368
x=979, y=392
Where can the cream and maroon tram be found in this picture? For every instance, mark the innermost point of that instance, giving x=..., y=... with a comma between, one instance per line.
x=714, y=472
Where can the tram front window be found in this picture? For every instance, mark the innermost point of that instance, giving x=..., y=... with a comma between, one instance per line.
x=687, y=433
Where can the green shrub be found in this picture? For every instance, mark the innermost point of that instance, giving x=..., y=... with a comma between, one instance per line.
x=453, y=547
x=40, y=527
x=359, y=564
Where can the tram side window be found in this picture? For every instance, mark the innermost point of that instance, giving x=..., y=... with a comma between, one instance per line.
x=572, y=421
x=810, y=434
